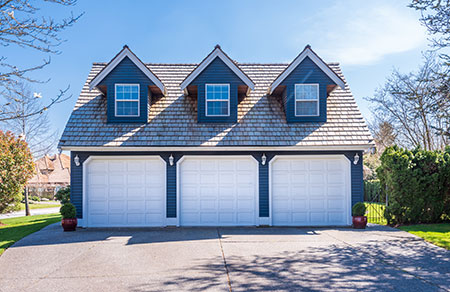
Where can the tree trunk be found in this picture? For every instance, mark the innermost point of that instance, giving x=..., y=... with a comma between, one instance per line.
x=27, y=207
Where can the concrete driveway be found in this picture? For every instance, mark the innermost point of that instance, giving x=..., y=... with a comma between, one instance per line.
x=224, y=259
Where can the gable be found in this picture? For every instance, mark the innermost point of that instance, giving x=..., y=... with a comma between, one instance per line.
x=126, y=72
x=217, y=72
x=307, y=53
x=217, y=53
x=127, y=53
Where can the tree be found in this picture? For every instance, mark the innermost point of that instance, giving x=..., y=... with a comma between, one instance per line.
x=22, y=25
x=35, y=128
x=415, y=105
x=435, y=16
x=16, y=168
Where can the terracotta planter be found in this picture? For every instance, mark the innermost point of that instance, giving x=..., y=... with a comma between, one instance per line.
x=359, y=222
x=69, y=224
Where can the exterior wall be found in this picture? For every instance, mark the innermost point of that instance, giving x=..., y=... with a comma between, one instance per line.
x=217, y=72
x=306, y=72
x=76, y=195
x=127, y=72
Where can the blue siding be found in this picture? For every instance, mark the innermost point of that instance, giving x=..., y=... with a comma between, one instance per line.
x=126, y=72
x=217, y=72
x=306, y=72
x=77, y=175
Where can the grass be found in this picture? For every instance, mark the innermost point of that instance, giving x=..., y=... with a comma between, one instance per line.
x=17, y=228
x=49, y=204
x=375, y=213
x=438, y=234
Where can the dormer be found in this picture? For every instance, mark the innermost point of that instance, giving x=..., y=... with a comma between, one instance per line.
x=129, y=86
x=304, y=87
x=218, y=84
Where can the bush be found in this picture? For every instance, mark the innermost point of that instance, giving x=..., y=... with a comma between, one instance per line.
x=35, y=198
x=359, y=209
x=417, y=183
x=68, y=211
x=63, y=195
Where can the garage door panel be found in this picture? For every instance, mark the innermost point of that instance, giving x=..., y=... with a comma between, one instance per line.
x=224, y=194
x=310, y=191
x=131, y=192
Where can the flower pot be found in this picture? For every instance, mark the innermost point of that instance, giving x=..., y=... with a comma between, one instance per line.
x=69, y=224
x=359, y=222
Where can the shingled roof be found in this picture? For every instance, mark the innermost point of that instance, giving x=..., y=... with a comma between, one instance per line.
x=173, y=118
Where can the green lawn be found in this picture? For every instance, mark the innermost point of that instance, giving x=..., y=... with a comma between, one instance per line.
x=17, y=228
x=50, y=204
x=438, y=234
x=375, y=213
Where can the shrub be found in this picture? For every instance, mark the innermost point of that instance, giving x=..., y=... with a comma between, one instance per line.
x=417, y=183
x=63, y=195
x=359, y=209
x=16, y=168
x=35, y=198
x=68, y=211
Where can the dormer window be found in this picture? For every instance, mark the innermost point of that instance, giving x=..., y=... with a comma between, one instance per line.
x=127, y=100
x=217, y=100
x=306, y=100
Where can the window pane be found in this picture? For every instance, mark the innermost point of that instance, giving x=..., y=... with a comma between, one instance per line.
x=127, y=92
x=306, y=91
x=217, y=108
x=306, y=108
x=127, y=108
x=217, y=92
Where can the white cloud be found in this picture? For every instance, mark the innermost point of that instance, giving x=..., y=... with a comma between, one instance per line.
x=356, y=34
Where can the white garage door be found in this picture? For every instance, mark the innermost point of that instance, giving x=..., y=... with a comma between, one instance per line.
x=218, y=191
x=125, y=192
x=310, y=191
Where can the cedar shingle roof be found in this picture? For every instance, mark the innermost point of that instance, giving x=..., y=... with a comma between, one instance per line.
x=173, y=118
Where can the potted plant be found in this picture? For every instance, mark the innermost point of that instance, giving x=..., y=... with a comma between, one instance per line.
x=69, y=217
x=358, y=212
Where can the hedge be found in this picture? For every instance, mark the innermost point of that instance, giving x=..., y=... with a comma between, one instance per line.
x=417, y=183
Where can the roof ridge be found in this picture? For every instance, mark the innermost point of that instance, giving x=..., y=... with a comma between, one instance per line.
x=196, y=64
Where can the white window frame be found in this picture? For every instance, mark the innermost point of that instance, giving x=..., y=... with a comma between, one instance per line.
x=316, y=100
x=206, y=99
x=138, y=100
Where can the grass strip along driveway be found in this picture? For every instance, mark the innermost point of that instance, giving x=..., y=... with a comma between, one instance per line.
x=14, y=229
x=438, y=234
x=41, y=205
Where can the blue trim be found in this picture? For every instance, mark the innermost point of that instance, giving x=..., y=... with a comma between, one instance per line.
x=76, y=174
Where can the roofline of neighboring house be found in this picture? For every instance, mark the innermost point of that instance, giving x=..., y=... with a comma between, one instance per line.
x=217, y=52
x=126, y=52
x=307, y=52
x=363, y=147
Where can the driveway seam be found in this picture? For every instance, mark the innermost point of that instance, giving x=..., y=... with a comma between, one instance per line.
x=387, y=263
x=219, y=236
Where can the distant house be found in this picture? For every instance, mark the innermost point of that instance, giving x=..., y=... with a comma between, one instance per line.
x=52, y=173
x=218, y=143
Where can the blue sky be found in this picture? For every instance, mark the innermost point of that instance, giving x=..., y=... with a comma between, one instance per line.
x=368, y=38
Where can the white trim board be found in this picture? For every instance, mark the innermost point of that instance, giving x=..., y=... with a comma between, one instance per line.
x=307, y=52
x=219, y=148
x=126, y=52
x=217, y=53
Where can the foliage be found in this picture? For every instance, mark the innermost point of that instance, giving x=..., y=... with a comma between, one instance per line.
x=359, y=209
x=16, y=168
x=17, y=228
x=35, y=198
x=417, y=183
x=24, y=26
x=375, y=213
x=68, y=211
x=414, y=106
x=63, y=195
x=438, y=234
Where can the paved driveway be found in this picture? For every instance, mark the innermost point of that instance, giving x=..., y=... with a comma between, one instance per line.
x=224, y=259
